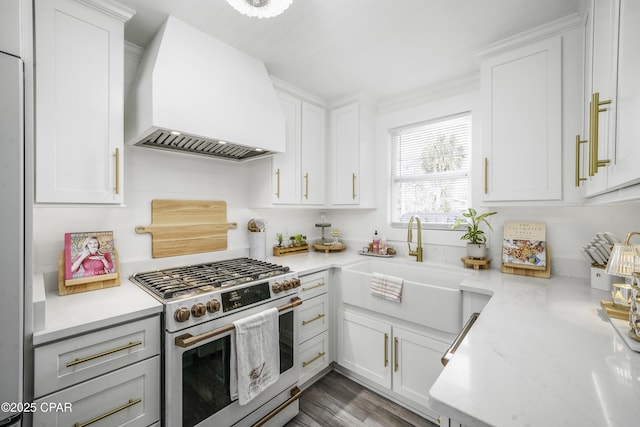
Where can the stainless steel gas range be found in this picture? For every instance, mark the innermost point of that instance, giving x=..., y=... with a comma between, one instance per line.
x=201, y=302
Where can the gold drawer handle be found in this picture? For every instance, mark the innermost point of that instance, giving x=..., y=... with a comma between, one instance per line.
x=386, y=345
x=317, y=285
x=305, y=364
x=395, y=354
x=318, y=317
x=579, y=179
x=117, y=156
x=108, y=414
x=595, y=110
x=95, y=356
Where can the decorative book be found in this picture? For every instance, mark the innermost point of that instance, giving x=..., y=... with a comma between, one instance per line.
x=524, y=249
x=89, y=257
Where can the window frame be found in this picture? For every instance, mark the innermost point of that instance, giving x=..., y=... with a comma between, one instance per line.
x=395, y=178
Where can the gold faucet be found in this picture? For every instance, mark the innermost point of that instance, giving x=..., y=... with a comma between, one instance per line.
x=418, y=252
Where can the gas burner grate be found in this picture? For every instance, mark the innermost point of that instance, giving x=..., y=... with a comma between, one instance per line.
x=174, y=282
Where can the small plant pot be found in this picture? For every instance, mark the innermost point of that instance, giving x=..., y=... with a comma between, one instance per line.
x=477, y=250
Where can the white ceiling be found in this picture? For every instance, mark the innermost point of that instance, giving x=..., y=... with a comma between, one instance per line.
x=378, y=48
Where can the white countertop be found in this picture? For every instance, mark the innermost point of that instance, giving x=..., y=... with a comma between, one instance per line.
x=541, y=353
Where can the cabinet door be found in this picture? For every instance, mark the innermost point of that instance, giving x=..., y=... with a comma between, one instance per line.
x=314, y=317
x=312, y=155
x=522, y=146
x=626, y=156
x=314, y=356
x=286, y=170
x=79, y=103
x=345, y=125
x=416, y=364
x=604, y=47
x=129, y=396
x=364, y=347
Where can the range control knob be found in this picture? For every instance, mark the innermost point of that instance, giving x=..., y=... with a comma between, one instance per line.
x=276, y=287
x=295, y=282
x=182, y=314
x=286, y=285
x=198, y=310
x=213, y=306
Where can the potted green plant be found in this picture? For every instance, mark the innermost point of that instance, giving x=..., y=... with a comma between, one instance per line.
x=476, y=245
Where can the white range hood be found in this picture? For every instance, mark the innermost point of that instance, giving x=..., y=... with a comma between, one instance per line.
x=196, y=94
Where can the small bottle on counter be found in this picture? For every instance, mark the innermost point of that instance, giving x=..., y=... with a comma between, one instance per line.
x=376, y=243
x=383, y=246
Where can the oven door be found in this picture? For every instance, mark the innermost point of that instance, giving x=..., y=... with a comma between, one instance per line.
x=197, y=374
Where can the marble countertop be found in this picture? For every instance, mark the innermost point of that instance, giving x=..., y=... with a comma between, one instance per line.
x=541, y=353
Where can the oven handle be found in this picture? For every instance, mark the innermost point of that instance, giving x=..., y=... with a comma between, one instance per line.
x=295, y=395
x=187, y=340
x=456, y=343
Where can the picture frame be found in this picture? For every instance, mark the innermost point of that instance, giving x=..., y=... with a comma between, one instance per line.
x=89, y=257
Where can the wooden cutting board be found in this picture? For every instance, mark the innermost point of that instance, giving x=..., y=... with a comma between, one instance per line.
x=182, y=227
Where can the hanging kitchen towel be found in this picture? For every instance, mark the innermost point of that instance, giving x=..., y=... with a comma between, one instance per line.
x=257, y=355
x=388, y=287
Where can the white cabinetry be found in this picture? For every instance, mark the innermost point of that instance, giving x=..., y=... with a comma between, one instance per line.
x=396, y=357
x=612, y=99
x=10, y=27
x=314, y=325
x=522, y=123
x=79, y=81
x=298, y=174
x=111, y=374
x=352, y=155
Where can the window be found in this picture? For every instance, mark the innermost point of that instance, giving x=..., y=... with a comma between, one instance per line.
x=430, y=170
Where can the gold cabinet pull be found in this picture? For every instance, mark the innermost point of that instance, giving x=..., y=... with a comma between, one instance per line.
x=108, y=414
x=117, y=156
x=395, y=354
x=306, y=185
x=578, y=178
x=486, y=175
x=386, y=345
x=317, y=285
x=309, y=362
x=353, y=185
x=278, y=183
x=318, y=317
x=104, y=353
x=594, y=111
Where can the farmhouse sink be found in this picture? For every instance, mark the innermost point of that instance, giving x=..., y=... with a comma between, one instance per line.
x=431, y=295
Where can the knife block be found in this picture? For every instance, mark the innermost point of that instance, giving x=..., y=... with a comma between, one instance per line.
x=601, y=280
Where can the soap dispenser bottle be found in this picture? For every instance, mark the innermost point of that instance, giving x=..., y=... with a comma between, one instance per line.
x=376, y=243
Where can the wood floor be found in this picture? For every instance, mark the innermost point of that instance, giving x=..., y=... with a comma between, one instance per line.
x=337, y=401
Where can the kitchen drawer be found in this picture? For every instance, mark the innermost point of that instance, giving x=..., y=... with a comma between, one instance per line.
x=129, y=396
x=314, y=317
x=314, y=356
x=314, y=284
x=68, y=362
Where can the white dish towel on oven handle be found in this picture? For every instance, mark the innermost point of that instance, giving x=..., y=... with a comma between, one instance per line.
x=257, y=355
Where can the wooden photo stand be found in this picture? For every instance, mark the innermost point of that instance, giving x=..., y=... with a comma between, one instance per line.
x=544, y=273
x=85, y=284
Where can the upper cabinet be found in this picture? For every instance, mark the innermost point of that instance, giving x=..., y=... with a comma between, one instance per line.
x=10, y=27
x=79, y=65
x=612, y=100
x=352, y=155
x=297, y=176
x=522, y=123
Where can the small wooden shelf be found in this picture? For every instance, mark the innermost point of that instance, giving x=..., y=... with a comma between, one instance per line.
x=290, y=251
x=475, y=263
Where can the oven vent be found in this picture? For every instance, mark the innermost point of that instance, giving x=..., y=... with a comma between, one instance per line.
x=167, y=140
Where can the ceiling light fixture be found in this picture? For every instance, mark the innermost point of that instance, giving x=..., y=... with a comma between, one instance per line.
x=260, y=8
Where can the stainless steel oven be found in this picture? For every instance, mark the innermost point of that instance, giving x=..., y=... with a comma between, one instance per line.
x=200, y=337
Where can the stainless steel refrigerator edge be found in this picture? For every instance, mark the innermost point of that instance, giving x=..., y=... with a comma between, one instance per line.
x=12, y=247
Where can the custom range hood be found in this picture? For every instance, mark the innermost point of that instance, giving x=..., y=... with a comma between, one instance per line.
x=196, y=94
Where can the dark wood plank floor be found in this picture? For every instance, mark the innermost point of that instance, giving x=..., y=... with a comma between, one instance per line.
x=336, y=401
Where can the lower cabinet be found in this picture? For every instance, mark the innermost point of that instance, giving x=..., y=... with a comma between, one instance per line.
x=403, y=360
x=129, y=396
x=108, y=377
x=313, y=349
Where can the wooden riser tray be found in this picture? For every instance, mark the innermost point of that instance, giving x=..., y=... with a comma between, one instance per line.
x=290, y=251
